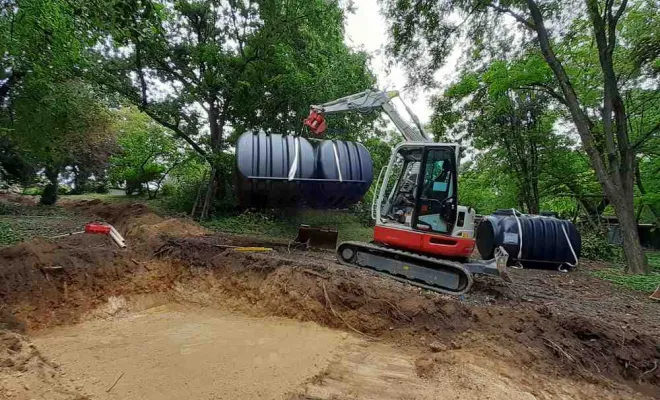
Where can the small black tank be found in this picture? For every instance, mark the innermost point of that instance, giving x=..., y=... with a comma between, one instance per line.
x=544, y=243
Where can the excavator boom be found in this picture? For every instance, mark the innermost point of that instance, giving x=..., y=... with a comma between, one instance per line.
x=367, y=102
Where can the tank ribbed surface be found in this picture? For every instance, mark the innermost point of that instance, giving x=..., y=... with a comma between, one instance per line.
x=544, y=243
x=271, y=156
x=335, y=174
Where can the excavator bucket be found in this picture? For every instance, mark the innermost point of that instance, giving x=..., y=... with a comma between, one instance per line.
x=318, y=237
x=316, y=123
x=656, y=294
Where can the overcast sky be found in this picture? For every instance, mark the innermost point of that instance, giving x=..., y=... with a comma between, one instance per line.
x=366, y=28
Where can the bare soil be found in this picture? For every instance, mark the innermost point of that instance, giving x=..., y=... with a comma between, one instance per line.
x=550, y=335
x=190, y=353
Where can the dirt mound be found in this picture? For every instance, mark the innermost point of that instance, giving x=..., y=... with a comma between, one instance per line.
x=143, y=229
x=17, y=199
x=68, y=270
x=31, y=373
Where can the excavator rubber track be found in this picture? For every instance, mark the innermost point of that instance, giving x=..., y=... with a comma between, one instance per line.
x=429, y=273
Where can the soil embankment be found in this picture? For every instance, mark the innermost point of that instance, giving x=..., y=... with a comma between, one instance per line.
x=527, y=339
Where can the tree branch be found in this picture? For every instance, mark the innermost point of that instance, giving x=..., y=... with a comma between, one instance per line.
x=232, y=4
x=140, y=72
x=645, y=137
x=11, y=81
x=620, y=11
x=548, y=90
x=166, y=68
x=175, y=129
x=582, y=122
x=518, y=17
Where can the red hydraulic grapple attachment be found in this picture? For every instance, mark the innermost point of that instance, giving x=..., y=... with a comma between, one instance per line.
x=316, y=122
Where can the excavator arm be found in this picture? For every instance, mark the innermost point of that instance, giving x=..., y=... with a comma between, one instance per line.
x=367, y=102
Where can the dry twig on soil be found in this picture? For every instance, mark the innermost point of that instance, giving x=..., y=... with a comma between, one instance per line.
x=114, y=384
x=311, y=272
x=655, y=366
x=557, y=347
x=329, y=303
x=394, y=307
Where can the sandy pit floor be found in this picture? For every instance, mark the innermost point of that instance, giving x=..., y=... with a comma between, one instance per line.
x=174, y=352
x=185, y=352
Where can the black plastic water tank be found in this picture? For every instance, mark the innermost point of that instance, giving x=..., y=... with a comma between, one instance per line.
x=336, y=174
x=544, y=244
x=263, y=164
x=344, y=171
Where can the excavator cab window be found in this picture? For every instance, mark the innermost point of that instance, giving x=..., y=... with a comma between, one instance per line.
x=402, y=188
x=437, y=205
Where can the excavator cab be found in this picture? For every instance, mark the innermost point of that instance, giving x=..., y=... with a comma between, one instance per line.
x=417, y=204
x=422, y=236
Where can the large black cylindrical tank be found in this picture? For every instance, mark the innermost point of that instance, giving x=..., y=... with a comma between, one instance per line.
x=263, y=164
x=345, y=172
x=544, y=244
x=335, y=174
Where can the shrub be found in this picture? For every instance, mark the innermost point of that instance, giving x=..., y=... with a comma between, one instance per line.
x=596, y=247
x=101, y=188
x=32, y=191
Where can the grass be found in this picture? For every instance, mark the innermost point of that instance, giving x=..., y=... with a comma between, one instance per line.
x=642, y=283
x=277, y=225
x=108, y=197
x=23, y=222
x=8, y=235
x=286, y=226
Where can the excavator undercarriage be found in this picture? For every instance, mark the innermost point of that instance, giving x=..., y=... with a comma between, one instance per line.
x=431, y=273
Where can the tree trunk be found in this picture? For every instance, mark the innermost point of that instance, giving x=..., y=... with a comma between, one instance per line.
x=632, y=248
x=49, y=194
x=216, y=182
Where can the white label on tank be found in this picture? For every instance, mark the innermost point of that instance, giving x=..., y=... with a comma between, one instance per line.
x=510, y=238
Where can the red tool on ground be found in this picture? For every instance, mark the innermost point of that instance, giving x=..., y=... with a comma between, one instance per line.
x=96, y=228
x=106, y=229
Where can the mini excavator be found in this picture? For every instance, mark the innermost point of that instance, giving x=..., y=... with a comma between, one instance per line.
x=422, y=236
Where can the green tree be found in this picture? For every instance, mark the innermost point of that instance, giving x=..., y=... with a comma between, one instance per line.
x=513, y=125
x=206, y=69
x=67, y=125
x=13, y=166
x=148, y=153
x=485, y=185
x=43, y=47
x=40, y=42
x=422, y=31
